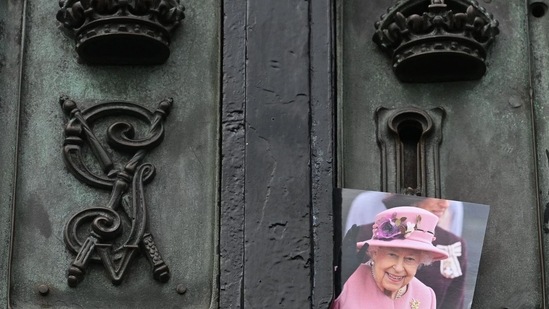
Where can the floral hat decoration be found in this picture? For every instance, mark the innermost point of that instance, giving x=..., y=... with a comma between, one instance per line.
x=406, y=227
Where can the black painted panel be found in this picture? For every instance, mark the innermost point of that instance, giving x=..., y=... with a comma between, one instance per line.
x=277, y=219
x=231, y=247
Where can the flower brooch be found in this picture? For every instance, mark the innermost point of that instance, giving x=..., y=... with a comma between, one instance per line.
x=394, y=227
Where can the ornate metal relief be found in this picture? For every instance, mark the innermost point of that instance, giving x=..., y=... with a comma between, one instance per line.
x=112, y=234
x=431, y=41
x=121, y=31
x=409, y=140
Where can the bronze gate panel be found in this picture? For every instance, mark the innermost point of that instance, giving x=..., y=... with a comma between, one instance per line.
x=492, y=139
x=181, y=201
x=487, y=150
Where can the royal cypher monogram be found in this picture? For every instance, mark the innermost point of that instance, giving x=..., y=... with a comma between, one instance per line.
x=97, y=233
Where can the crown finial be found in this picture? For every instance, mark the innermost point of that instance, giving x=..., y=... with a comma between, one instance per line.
x=432, y=41
x=437, y=5
x=121, y=31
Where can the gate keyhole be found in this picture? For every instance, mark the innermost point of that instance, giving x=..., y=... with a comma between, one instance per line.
x=409, y=139
x=409, y=133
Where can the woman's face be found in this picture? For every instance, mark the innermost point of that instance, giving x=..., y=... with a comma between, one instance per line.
x=435, y=205
x=394, y=267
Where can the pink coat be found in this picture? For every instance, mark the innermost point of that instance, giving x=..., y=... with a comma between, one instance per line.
x=360, y=291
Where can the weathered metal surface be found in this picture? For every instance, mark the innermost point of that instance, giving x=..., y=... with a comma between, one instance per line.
x=496, y=284
x=538, y=21
x=322, y=123
x=10, y=53
x=266, y=108
x=486, y=155
x=121, y=32
x=181, y=200
x=233, y=144
x=277, y=209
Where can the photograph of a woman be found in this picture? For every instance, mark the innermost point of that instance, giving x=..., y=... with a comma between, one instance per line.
x=459, y=232
x=402, y=242
x=445, y=277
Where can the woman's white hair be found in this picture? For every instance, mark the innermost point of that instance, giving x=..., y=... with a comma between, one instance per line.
x=425, y=257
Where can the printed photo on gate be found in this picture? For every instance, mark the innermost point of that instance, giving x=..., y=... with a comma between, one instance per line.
x=374, y=224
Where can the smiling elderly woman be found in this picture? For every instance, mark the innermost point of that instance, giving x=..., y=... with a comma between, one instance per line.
x=401, y=243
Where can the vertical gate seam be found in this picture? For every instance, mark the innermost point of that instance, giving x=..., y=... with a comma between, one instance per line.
x=17, y=145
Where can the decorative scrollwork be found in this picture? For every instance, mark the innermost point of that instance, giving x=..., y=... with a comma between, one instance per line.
x=96, y=234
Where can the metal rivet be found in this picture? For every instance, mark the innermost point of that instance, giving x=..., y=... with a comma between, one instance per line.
x=181, y=289
x=515, y=101
x=43, y=289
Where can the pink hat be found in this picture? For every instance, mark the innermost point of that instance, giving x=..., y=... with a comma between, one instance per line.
x=406, y=227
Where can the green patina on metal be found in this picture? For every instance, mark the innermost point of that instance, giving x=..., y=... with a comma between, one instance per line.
x=487, y=153
x=182, y=197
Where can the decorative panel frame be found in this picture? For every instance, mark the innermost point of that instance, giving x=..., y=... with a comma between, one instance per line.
x=184, y=193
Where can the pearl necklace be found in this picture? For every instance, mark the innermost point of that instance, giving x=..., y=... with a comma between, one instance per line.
x=400, y=291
